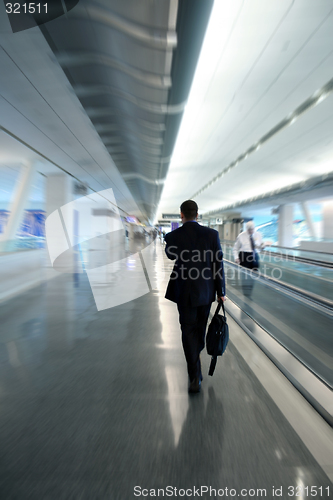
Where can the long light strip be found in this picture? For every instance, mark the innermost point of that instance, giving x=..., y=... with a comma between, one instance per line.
x=298, y=187
x=220, y=26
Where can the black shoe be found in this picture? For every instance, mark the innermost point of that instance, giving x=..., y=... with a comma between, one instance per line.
x=195, y=386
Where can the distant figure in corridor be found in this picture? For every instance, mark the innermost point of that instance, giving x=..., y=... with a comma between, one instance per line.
x=246, y=247
x=246, y=254
x=196, y=278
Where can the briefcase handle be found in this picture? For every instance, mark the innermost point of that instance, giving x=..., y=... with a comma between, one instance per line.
x=220, y=304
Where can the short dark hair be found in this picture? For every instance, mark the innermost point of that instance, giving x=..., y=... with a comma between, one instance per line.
x=189, y=208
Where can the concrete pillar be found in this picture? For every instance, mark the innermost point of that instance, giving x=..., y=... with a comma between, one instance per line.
x=285, y=225
x=227, y=226
x=231, y=228
x=308, y=219
x=328, y=220
x=19, y=203
x=235, y=230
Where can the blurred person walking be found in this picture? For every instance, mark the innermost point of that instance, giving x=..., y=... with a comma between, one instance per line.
x=196, y=279
x=246, y=247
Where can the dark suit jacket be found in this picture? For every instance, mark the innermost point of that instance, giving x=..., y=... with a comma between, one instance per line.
x=198, y=271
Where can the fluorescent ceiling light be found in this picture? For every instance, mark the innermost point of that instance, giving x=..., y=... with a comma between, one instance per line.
x=274, y=186
x=218, y=32
x=324, y=168
x=322, y=97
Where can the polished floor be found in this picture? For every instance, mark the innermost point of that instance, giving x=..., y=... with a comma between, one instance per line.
x=94, y=405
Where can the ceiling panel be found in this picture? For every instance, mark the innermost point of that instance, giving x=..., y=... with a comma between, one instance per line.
x=39, y=107
x=119, y=64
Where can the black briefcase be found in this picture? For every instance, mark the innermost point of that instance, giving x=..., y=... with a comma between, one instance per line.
x=217, y=337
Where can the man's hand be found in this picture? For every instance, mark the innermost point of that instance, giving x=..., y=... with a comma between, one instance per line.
x=237, y=261
x=221, y=299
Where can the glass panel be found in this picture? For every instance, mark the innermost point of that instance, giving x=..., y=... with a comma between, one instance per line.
x=31, y=232
x=8, y=179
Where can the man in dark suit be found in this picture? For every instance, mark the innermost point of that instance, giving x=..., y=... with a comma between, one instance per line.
x=196, y=278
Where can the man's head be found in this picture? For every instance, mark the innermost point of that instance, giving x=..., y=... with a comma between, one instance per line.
x=250, y=227
x=188, y=210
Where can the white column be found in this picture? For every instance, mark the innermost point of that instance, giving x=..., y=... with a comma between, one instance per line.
x=328, y=220
x=308, y=219
x=60, y=302
x=19, y=203
x=285, y=225
x=59, y=192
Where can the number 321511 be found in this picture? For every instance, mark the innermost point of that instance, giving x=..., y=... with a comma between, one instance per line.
x=306, y=491
x=26, y=8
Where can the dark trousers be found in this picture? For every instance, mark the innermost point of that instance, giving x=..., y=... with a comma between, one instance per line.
x=193, y=322
x=249, y=260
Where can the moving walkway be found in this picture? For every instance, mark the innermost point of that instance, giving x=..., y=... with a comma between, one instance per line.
x=290, y=318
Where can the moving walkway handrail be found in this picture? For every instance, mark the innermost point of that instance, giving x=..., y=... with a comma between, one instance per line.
x=304, y=260
x=231, y=243
x=302, y=294
x=295, y=249
x=298, y=249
